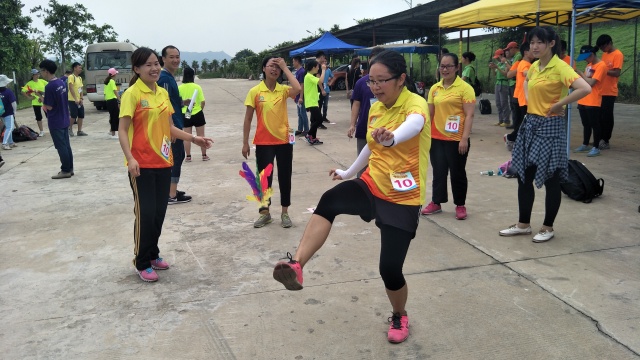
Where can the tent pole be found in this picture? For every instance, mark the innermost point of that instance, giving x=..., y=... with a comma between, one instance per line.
x=635, y=61
x=590, y=33
x=468, y=39
x=571, y=56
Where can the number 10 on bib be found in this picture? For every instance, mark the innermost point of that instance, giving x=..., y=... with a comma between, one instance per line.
x=403, y=181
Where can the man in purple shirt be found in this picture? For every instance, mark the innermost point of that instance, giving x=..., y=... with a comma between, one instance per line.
x=57, y=111
x=362, y=99
x=303, y=120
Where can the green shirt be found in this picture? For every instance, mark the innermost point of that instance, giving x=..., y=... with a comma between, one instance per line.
x=109, y=90
x=186, y=93
x=501, y=79
x=35, y=86
x=311, y=92
x=470, y=73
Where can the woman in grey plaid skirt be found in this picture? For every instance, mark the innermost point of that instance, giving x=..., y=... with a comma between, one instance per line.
x=540, y=154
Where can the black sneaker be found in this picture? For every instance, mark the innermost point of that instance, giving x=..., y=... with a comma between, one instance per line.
x=179, y=199
x=297, y=133
x=317, y=141
x=326, y=120
x=322, y=127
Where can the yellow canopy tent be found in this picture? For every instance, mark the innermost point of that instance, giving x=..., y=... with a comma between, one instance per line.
x=511, y=13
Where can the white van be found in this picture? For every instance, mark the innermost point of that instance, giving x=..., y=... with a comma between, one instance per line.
x=98, y=59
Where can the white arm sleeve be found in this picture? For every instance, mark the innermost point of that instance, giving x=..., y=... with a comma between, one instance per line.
x=408, y=129
x=14, y=105
x=359, y=164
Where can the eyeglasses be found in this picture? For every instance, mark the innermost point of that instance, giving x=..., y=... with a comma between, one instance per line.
x=445, y=67
x=371, y=83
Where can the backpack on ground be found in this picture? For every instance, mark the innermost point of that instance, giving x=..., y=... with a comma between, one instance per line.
x=581, y=185
x=24, y=133
x=485, y=106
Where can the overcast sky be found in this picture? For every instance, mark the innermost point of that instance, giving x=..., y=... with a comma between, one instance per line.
x=224, y=25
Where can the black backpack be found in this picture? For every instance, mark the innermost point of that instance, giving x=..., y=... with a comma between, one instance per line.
x=485, y=106
x=581, y=185
x=477, y=87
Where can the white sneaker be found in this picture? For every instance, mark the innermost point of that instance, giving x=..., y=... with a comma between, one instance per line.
x=542, y=236
x=41, y=134
x=515, y=230
x=6, y=147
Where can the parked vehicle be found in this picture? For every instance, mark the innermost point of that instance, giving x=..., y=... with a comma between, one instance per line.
x=339, y=81
x=98, y=59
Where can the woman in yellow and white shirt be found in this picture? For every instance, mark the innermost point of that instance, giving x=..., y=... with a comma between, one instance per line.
x=451, y=105
x=390, y=190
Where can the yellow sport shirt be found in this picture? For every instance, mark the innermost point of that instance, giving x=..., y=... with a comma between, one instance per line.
x=448, y=102
x=409, y=156
x=74, y=83
x=548, y=86
x=150, y=129
x=186, y=93
x=271, y=112
x=311, y=91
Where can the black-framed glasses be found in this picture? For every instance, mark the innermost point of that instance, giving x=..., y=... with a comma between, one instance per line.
x=371, y=83
x=445, y=67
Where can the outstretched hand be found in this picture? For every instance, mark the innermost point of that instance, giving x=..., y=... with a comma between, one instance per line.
x=381, y=135
x=334, y=174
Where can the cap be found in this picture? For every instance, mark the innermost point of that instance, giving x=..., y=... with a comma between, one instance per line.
x=4, y=80
x=112, y=71
x=585, y=52
x=498, y=53
x=512, y=45
x=34, y=71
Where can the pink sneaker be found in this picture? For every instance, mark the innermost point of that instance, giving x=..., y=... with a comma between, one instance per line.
x=399, y=328
x=461, y=212
x=148, y=275
x=159, y=264
x=431, y=209
x=289, y=273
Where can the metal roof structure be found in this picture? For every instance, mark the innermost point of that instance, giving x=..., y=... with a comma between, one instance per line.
x=408, y=24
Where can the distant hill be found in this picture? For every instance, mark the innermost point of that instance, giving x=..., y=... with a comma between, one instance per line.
x=199, y=56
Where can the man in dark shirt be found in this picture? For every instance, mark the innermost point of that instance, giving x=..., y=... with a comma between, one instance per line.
x=170, y=63
x=57, y=110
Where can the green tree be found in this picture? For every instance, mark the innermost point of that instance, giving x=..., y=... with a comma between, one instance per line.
x=224, y=63
x=184, y=64
x=205, y=65
x=98, y=34
x=14, y=39
x=69, y=25
x=195, y=66
x=242, y=55
x=214, y=65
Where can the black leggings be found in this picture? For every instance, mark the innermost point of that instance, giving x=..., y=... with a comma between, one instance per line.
x=349, y=198
x=316, y=120
x=590, y=116
x=114, y=121
x=527, y=195
x=283, y=155
x=37, y=110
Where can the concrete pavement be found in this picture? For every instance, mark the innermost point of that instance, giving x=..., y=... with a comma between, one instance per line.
x=69, y=291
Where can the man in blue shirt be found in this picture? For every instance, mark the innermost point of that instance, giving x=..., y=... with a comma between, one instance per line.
x=325, y=100
x=57, y=110
x=303, y=120
x=170, y=63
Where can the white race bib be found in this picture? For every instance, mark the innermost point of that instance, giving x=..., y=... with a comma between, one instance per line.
x=165, y=149
x=292, y=137
x=403, y=181
x=453, y=124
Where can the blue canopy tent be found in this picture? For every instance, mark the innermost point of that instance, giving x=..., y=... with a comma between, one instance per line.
x=327, y=43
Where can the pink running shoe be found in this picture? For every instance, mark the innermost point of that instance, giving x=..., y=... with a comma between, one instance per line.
x=431, y=209
x=289, y=273
x=461, y=212
x=399, y=328
x=148, y=275
x=159, y=264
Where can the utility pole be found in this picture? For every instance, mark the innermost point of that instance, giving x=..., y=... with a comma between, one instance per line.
x=410, y=3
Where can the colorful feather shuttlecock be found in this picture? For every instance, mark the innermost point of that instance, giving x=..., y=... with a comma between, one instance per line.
x=30, y=91
x=259, y=186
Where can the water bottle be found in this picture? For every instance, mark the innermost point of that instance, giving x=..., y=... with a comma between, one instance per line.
x=187, y=114
x=488, y=172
